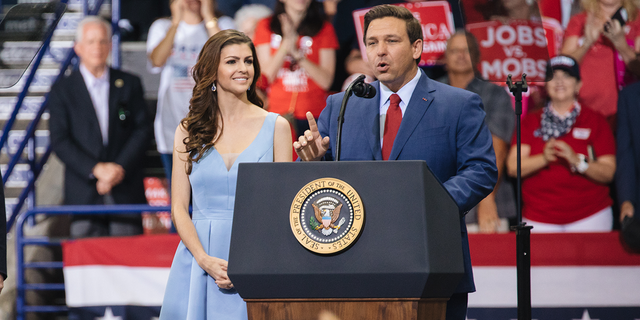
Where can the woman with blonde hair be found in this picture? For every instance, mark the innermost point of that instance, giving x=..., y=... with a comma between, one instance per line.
x=225, y=126
x=605, y=49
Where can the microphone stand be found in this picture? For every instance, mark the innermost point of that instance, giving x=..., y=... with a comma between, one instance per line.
x=343, y=107
x=523, y=232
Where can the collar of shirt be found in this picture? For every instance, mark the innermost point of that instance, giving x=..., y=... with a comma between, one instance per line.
x=90, y=80
x=576, y=105
x=405, y=94
x=475, y=85
x=99, y=91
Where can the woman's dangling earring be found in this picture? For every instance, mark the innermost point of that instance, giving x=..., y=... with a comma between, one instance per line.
x=213, y=87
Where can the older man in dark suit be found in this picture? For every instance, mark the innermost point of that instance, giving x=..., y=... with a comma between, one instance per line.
x=100, y=128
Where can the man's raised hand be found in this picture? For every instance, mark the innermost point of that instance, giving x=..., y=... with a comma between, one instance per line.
x=311, y=146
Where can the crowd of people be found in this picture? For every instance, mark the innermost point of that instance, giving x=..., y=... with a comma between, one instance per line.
x=304, y=61
x=303, y=58
x=229, y=96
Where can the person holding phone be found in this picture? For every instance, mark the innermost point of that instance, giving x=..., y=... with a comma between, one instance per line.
x=605, y=40
x=564, y=189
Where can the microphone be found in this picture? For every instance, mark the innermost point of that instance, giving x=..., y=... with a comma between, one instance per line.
x=362, y=89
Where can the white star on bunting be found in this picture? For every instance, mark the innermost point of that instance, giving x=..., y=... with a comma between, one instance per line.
x=108, y=315
x=585, y=316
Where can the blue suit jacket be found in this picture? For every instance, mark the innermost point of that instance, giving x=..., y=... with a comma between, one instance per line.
x=442, y=125
x=628, y=139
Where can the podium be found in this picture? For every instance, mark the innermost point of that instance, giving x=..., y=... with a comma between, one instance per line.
x=404, y=264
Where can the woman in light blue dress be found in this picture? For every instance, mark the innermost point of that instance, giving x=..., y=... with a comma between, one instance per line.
x=225, y=125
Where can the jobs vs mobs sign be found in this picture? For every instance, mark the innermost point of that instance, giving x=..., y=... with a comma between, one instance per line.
x=437, y=26
x=516, y=47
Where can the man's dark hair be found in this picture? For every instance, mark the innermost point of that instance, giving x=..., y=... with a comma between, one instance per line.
x=472, y=44
x=414, y=30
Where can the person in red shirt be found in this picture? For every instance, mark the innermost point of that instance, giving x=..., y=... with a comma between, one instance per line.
x=297, y=48
x=568, y=158
x=605, y=50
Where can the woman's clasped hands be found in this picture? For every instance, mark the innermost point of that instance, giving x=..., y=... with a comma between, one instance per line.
x=217, y=269
x=555, y=149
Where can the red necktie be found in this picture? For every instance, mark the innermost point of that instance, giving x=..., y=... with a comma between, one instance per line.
x=391, y=125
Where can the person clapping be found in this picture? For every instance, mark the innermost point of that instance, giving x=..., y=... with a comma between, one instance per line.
x=568, y=159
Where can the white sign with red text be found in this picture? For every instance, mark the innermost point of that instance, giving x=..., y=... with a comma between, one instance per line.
x=516, y=47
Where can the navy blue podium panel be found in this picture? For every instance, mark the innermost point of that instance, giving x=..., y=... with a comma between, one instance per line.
x=409, y=245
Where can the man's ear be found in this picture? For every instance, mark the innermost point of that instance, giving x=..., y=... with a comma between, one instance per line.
x=417, y=49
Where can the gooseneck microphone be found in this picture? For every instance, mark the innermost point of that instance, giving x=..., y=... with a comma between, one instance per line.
x=360, y=89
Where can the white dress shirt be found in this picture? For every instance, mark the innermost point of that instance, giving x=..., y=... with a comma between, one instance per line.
x=405, y=94
x=99, y=92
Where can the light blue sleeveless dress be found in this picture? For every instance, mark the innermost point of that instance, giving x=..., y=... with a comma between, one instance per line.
x=191, y=294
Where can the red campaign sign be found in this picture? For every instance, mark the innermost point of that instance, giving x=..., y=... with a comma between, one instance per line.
x=516, y=47
x=157, y=195
x=437, y=26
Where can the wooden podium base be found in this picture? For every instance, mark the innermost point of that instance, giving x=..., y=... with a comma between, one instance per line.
x=347, y=309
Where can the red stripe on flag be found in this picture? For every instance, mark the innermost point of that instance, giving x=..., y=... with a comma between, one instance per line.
x=553, y=249
x=568, y=249
x=136, y=251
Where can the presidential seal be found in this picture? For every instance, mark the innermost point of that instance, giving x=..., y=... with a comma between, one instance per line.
x=326, y=216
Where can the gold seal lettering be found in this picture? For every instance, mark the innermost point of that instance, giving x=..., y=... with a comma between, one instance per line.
x=308, y=232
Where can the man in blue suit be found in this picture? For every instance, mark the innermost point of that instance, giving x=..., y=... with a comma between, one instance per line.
x=411, y=118
x=628, y=157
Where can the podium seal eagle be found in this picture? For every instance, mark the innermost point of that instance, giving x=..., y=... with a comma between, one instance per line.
x=326, y=216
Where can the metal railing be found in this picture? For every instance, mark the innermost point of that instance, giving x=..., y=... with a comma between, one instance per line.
x=29, y=137
x=21, y=96
x=21, y=242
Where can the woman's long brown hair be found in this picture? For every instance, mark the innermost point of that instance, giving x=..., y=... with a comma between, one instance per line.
x=204, y=121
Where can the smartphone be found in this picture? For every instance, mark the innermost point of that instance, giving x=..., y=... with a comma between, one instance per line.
x=591, y=153
x=621, y=15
